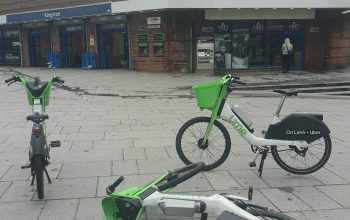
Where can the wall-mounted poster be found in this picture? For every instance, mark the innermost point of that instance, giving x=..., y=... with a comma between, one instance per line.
x=10, y=53
x=222, y=49
x=143, y=45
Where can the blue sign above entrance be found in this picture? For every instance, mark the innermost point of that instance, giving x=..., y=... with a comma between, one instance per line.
x=59, y=13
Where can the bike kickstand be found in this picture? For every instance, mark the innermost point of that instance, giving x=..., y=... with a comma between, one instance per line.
x=47, y=175
x=263, y=157
x=33, y=178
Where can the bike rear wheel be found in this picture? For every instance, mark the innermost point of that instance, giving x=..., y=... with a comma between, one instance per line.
x=303, y=161
x=189, y=143
x=268, y=214
x=39, y=166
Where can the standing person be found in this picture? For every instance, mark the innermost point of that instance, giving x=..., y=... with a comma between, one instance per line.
x=286, y=50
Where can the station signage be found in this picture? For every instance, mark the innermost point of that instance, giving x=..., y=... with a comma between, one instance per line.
x=87, y=10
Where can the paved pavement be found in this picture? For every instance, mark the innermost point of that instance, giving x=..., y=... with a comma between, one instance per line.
x=115, y=122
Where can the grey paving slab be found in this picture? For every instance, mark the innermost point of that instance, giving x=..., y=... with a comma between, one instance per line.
x=339, y=193
x=81, y=145
x=308, y=195
x=296, y=215
x=87, y=156
x=21, y=210
x=70, y=188
x=92, y=128
x=3, y=170
x=155, y=152
x=341, y=171
x=197, y=183
x=327, y=177
x=90, y=169
x=134, y=153
x=221, y=180
x=284, y=200
x=248, y=178
x=88, y=136
x=59, y=209
x=139, y=134
x=112, y=144
x=279, y=178
x=158, y=165
x=69, y=129
x=328, y=214
x=90, y=208
x=154, y=142
x=16, y=173
x=19, y=191
x=125, y=167
x=3, y=187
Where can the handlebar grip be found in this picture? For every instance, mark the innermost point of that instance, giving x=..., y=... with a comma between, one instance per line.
x=60, y=81
x=110, y=189
x=239, y=82
x=13, y=78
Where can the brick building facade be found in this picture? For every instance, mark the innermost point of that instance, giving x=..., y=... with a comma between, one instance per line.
x=121, y=35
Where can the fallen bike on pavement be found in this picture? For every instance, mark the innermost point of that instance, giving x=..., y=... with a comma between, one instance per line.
x=131, y=203
x=38, y=94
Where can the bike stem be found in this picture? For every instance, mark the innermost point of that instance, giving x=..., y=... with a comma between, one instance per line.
x=215, y=111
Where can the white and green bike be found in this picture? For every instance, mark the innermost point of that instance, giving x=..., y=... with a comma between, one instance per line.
x=299, y=142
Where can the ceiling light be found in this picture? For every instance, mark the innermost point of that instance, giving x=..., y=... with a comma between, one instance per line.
x=345, y=12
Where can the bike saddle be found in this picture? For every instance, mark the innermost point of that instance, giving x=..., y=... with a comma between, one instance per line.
x=287, y=92
x=36, y=87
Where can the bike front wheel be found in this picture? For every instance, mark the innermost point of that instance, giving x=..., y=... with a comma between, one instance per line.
x=268, y=214
x=38, y=163
x=190, y=147
x=303, y=161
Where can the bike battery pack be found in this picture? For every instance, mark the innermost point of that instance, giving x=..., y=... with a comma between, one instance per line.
x=180, y=208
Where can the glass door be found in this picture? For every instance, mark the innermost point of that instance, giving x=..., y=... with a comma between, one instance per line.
x=297, y=58
x=39, y=48
x=72, y=46
x=257, y=51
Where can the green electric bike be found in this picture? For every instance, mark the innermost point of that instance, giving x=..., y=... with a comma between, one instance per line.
x=38, y=94
x=131, y=204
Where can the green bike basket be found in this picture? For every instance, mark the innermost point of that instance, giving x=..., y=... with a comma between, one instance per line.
x=207, y=94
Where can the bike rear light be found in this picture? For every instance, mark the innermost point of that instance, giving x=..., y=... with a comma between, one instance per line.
x=37, y=132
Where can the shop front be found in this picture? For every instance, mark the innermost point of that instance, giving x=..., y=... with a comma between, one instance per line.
x=10, y=50
x=256, y=44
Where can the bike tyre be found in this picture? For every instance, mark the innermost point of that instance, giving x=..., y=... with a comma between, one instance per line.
x=317, y=166
x=269, y=214
x=220, y=126
x=38, y=162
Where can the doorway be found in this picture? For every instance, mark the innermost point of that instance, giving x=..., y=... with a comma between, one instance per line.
x=39, y=47
x=72, y=46
x=297, y=58
x=113, y=47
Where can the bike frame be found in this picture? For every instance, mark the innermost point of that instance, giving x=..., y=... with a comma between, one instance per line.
x=224, y=111
x=214, y=204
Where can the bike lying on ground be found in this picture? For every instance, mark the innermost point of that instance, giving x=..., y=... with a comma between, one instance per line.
x=299, y=142
x=38, y=94
x=131, y=203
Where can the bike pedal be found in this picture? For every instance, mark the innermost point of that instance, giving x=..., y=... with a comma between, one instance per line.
x=55, y=144
x=25, y=167
x=252, y=164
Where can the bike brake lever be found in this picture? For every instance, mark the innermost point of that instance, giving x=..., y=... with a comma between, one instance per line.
x=10, y=83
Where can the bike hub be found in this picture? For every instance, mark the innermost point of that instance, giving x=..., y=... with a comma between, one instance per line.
x=202, y=145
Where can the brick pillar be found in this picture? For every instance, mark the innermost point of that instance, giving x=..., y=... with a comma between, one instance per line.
x=25, y=48
x=55, y=38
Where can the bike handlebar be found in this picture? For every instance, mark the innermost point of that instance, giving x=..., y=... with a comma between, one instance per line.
x=110, y=189
x=13, y=78
x=235, y=79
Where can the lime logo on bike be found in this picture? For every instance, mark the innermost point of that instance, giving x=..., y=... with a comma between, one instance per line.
x=238, y=126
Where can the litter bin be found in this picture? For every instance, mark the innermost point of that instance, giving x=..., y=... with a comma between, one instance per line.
x=88, y=60
x=53, y=60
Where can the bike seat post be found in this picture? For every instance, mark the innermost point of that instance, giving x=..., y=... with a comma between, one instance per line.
x=277, y=114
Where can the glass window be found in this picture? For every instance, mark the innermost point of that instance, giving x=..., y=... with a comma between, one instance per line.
x=222, y=51
x=143, y=49
x=240, y=27
x=113, y=26
x=240, y=51
x=11, y=34
x=76, y=28
x=275, y=25
x=257, y=50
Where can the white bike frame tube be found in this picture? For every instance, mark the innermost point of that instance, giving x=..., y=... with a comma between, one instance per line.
x=228, y=115
x=37, y=107
x=215, y=204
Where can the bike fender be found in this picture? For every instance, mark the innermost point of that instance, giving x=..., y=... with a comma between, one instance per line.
x=38, y=145
x=298, y=126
